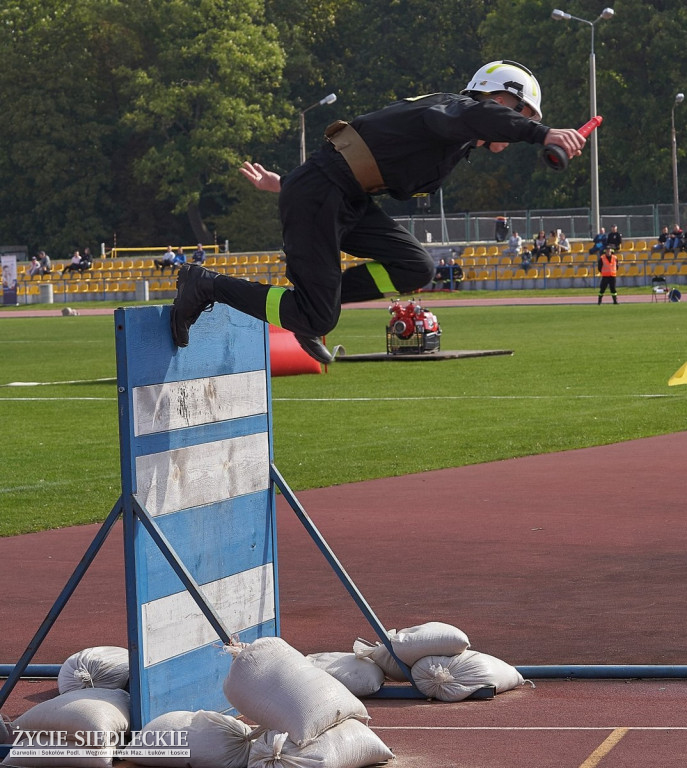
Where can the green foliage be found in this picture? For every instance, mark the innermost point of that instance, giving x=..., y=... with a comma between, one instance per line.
x=580, y=376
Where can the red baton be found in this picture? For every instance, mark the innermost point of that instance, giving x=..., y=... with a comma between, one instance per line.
x=556, y=157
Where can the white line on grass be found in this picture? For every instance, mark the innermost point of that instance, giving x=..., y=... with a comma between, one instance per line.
x=53, y=383
x=43, y=485
x=49, y=399
x=372, y=399
x=460, y=397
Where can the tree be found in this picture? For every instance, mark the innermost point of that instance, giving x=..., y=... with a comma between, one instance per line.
x=201, y=83
x=55, y=137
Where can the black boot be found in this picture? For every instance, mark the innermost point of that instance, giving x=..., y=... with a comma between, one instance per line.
x=315, y=348
x=599, y=300
x=195, y=293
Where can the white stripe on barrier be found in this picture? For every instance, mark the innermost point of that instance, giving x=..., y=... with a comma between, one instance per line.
x=160, y=407
x=203, y=474
x=175, y=624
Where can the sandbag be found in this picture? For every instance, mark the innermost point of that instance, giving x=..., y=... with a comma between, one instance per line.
x=104, y=666
x=362, y=677
x=350, y=744
x=433, y=638
x=92, y=709
x=454, y=678
x=214, y=740
x=379, y=653
x=274, y=685
x=6, y=730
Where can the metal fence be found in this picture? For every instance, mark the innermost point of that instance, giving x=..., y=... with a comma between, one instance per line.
x=643, y=221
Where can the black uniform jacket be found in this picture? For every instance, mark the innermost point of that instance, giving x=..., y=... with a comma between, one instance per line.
x=417, y=142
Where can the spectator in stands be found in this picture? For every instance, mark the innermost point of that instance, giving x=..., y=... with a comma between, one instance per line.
x=674, y=241
x=198, y=256
x=608, y=266
x=599, y=242
x=441, y=275
x=46, y=264
x=552, y=244
x=455, y=274
x=74, y=265
x=563, y=243
x=167, y=260
x=514, y=245
x=526, y=260
x=661, y=240
x=34, y=266
x=179, y=259
x=614, y=239
x=86, y=260
x=539, y=247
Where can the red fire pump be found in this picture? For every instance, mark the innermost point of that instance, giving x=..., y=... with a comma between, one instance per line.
x=411, y=329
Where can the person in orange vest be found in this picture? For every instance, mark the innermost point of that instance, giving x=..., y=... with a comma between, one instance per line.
x=608, y=266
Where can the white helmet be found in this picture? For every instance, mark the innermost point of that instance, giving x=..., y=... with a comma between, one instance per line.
x=511, y=77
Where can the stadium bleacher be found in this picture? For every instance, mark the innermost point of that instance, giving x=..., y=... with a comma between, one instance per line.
x=485, y=266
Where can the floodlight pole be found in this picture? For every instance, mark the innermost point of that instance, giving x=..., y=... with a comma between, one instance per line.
x=607, y=13
x=330, y=99
x=679, y=98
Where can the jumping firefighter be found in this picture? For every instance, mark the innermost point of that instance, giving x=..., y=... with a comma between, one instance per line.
x=326, y=205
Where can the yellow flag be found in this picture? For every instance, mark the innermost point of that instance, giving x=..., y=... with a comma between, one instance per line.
x=679, y=377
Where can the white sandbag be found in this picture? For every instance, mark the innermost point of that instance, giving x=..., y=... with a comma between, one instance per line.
x=431, y=639
x=378, y=653
x=274, y=685
x=362, y=677
x=94, y=758
x=104, y=666
x=6, y=730
x=454, y=678
x=92, y=709
x=348, y=745
x=214, y=740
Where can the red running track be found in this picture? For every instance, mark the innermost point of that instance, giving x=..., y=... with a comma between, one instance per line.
x=537, y=559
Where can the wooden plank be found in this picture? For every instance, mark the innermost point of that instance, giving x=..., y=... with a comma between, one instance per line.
x=175, y=624
x=213, y=541
x=202, y=474
x=190, y=403
x=222, y=341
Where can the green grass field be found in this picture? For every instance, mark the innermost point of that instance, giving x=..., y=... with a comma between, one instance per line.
x=580, y=376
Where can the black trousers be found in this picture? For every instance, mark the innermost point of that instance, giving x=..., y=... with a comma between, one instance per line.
x=324, y=211
x=607, y=282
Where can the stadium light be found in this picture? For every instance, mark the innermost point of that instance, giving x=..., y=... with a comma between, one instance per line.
x=330, y=99
x=679, y=98
x=607, y=13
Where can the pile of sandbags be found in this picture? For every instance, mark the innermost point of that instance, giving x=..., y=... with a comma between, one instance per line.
x=305, y=716
x=440, y=660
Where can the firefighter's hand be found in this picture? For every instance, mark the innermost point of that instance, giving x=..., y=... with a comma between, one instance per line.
x=260, y=178
x=569, y=139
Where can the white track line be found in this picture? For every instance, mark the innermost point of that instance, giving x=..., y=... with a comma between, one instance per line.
x=527, y=728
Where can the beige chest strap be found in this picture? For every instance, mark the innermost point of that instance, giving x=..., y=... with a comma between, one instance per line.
x=348, y=142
